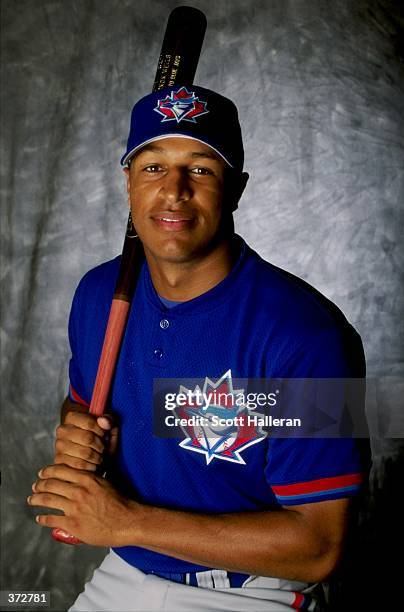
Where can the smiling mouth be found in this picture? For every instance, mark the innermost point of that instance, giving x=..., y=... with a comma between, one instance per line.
x=172, y=220
x=172, y=224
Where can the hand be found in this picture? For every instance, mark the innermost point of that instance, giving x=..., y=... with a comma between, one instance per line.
x=80, y=441
x=93, y=510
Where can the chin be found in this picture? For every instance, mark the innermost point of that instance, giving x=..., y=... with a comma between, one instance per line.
x=171, y=252
x=176, y=255
x=176, y=250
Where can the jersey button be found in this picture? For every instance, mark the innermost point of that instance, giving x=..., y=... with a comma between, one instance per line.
x=164, y=323
x=158, y=353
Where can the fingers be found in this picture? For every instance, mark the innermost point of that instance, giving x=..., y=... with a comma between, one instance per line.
x=63, y=488
x=81, y=437
x=49, y=500
x=76, y=456
x=84, y=421
x=52, y=520
x=68, y=474
x=88, y=431
x=51, y=485
x=79, y=442
x=93, y=510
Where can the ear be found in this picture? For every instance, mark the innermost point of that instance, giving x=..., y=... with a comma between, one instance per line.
x=236, y=188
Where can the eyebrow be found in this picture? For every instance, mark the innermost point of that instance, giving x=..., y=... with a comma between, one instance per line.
x=193, y=154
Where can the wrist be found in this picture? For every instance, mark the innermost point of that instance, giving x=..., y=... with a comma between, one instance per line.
x=132, y=529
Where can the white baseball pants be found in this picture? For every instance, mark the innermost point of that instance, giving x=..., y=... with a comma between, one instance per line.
x=116, y=586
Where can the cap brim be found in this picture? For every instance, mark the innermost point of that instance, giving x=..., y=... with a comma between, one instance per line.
x=127, y=157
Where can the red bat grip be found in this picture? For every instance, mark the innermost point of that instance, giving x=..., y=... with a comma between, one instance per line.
x=60, y=535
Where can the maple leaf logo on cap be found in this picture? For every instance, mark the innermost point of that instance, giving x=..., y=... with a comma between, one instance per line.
x=181, y=105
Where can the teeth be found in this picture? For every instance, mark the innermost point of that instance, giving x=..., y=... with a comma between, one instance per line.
x=170, y=220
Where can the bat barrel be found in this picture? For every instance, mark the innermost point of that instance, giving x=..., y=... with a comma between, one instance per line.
x=181, y=48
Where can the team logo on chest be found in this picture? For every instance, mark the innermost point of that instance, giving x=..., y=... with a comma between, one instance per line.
x=220, y=426
x=181, y=105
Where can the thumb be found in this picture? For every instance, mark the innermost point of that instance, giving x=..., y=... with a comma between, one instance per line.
x=106, y=422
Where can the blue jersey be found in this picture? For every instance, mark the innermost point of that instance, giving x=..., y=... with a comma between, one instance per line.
x=259, y=322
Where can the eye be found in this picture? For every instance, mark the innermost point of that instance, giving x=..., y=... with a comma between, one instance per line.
x=201, y=170
x=152, y=168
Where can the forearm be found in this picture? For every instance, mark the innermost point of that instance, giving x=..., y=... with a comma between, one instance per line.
x=278, y=543
x=301, y=543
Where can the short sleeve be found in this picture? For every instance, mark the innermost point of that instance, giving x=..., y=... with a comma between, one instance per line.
x=306, y=470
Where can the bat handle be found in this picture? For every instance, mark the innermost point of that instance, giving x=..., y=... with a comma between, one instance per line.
x=62, y=536
x=112, y=341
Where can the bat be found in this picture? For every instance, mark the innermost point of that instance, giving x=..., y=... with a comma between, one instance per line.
x=177, y=64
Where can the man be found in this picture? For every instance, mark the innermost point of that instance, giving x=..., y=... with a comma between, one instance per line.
x=249, y=523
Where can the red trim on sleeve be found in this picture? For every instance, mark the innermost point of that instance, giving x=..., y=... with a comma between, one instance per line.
x=77, y=397
x=323, y=484
x=299, y=599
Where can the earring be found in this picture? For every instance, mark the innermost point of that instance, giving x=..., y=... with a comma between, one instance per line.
x=130, y=229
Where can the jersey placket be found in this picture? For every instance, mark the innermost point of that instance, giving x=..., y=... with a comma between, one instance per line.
x=159, y=346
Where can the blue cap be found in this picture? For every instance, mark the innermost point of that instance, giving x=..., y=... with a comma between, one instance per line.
x=187, y=112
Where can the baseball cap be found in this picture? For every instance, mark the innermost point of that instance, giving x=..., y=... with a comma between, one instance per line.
x=187, y=112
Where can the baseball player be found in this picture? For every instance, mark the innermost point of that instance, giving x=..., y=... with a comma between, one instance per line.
x=235, y=521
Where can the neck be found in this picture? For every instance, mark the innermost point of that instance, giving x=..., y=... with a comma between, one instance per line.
x=182, y=281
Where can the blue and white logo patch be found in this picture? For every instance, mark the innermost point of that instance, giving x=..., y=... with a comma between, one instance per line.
x=227, y=427
x=181, y=105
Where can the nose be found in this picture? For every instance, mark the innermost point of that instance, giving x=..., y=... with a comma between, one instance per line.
x=176, y=187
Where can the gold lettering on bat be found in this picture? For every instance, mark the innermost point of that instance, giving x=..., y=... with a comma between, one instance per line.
x=173, y=74
x=168, y=67
x=164, y=66
x=166, y=62
x=174, y=70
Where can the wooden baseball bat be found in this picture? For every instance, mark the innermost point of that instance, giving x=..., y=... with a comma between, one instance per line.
x=177, y=64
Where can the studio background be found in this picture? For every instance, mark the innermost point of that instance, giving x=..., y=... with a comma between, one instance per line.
x=319, y=87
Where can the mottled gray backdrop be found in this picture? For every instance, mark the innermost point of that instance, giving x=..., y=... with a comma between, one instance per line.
x=319, y=86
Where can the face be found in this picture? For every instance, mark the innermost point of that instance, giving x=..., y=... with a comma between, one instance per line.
x=176, y=191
